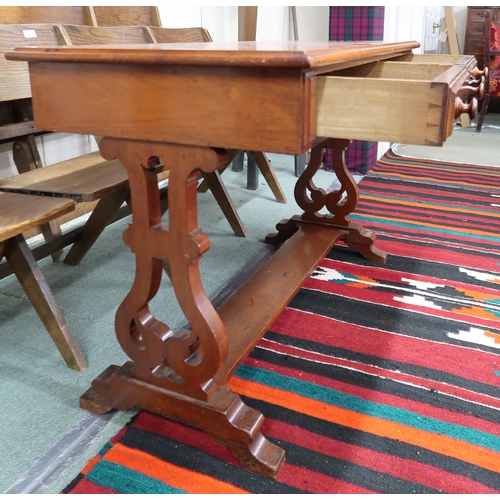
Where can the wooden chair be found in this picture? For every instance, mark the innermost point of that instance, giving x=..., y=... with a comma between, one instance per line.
x=490, y=66
x=88, y=35
x=16, y=115
x=176, y=35
x=20, y=213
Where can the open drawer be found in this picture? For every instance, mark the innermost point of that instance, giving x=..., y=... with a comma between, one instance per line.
x=414, y=99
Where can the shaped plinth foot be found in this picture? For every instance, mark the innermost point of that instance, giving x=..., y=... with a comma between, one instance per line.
x=225, y=418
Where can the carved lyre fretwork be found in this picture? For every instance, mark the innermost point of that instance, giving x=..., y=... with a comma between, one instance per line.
x=339, y=203
x=187, y=360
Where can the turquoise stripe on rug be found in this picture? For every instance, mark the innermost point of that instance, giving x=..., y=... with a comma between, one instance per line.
x=440, y=230
x=124, y=480
x=348, y=402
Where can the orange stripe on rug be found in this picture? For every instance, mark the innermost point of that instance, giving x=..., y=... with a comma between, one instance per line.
x=178, y=477
x=91, y=464
x=444, y=445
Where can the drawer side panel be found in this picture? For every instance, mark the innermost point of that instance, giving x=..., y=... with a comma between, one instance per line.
x=410, y=112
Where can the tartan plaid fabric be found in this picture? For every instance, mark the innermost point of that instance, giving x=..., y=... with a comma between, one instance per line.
x=356, y=24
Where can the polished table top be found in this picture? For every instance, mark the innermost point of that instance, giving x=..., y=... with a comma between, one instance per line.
x=292, y=54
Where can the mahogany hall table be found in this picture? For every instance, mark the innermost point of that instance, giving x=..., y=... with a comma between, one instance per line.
x=181, y=104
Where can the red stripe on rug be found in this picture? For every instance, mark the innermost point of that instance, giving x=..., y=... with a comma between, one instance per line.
x=464, y=362
x=403, y=468
x=419, y=231
x=432, y=253
x=466, y=314
x=372, y=187
x=86, y=487
x=421, y=205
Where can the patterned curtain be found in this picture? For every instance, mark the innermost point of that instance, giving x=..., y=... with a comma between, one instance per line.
x=356, y=24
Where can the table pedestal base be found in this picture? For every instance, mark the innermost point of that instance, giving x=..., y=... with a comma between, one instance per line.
x=183, y=375
x=225, y=418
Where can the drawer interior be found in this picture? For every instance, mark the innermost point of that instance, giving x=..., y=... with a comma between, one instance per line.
x=394, y=71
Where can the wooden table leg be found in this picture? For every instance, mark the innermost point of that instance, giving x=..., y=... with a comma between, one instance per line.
x=173, y=373
x=339, y=204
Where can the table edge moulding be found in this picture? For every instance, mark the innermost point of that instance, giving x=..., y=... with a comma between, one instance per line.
x=163, y=103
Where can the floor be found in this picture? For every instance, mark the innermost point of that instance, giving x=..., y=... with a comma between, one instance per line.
x=464, y=146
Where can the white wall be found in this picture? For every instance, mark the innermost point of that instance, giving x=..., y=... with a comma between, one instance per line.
x=273, y=22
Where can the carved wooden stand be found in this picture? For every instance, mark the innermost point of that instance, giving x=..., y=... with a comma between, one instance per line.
x=182, y=375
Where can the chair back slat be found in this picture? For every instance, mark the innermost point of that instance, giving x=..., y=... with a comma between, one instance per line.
x=127, y=16
x=14, y=75
x=180, y=35
x=38, y=14
x=101, y=35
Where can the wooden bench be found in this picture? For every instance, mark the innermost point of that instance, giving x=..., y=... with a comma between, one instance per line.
x=18, y=214
x=91, y=16
x=126, y=16
x=16, y=117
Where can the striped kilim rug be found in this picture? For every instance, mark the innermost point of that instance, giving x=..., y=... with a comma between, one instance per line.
x=376, y=378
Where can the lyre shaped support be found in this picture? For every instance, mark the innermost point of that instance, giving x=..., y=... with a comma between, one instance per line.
x=172, y=373
x=187, y=360
x=339, y=203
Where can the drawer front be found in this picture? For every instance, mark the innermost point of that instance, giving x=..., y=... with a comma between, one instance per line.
x=475, y=45
x=477, y=14
x=412, y=101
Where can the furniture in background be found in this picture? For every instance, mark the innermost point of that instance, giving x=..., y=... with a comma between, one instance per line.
x=87, y=179
x=18, y=214
x=126, y=16
x=475, y=31
x=474, y=44
x=184, y=375
x=91, y=16
x=491, y=64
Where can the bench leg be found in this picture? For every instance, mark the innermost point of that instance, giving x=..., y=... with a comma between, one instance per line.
x=30, y=276
x=26, y=157
x=224, y=201
x=98, y=220
x=269, y=174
